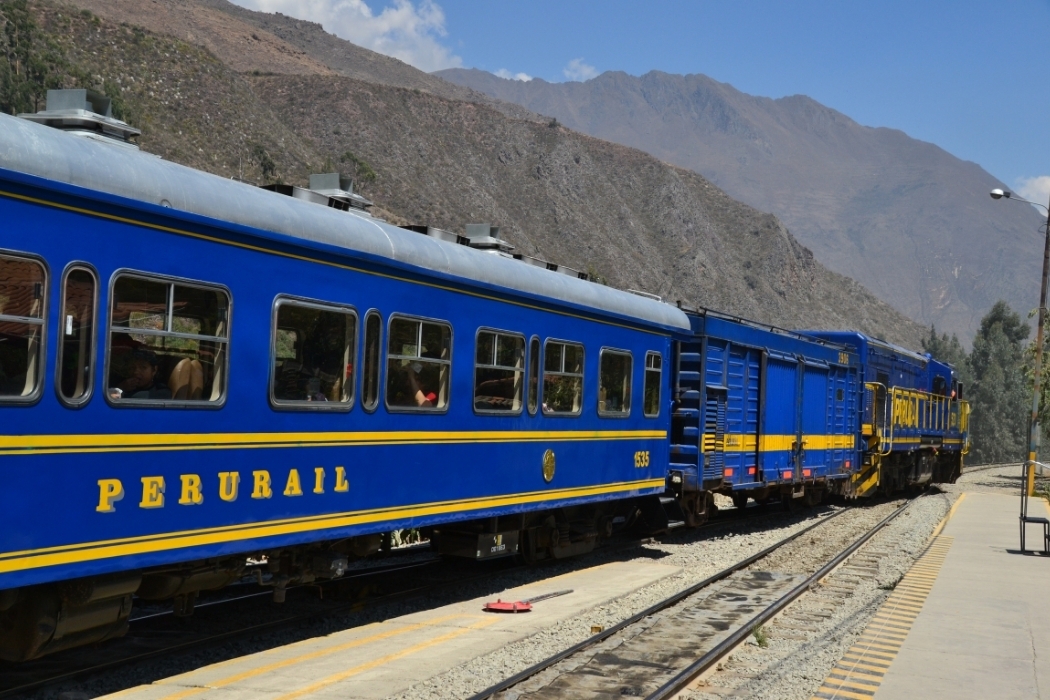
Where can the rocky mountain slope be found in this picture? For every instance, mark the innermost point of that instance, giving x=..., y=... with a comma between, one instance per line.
x=426, y=158
x=249, y=41
x=905, y=218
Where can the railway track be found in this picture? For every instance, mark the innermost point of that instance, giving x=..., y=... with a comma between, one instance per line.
x=156, y=632
x=655, y=655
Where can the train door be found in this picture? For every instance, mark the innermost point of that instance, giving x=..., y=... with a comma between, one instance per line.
x=841, y=399
x=815, y=428
x=741, y=442
x=780, y=427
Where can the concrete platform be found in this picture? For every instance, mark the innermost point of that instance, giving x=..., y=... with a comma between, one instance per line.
x=971, y=620
x=381, y=659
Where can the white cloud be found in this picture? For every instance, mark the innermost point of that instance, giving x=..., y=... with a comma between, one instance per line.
x=410, y=31
x=1034, y=189
x=507, y=75
x=578, y=70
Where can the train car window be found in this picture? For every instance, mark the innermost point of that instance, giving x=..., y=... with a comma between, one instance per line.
x=499, y=372
x=76, y=357
x=419, y=356
x=534, y=375
x=370, y=376
x=23, y=287
x=167, y=342
x=562, y=378
x=654, y=363
x=314, y=345
x=614, y=383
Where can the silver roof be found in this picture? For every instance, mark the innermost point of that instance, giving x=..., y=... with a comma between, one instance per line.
x=52, y=154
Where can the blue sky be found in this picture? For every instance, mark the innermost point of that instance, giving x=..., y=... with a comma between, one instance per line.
x=968, y=76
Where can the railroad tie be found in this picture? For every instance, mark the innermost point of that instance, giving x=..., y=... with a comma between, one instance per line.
x=859, y=672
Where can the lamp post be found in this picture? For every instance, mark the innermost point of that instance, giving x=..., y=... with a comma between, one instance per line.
x=1034, y=435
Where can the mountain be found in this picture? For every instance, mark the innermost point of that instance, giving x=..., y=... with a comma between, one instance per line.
x=426, y=157
x=258, y=42
x=905, y=218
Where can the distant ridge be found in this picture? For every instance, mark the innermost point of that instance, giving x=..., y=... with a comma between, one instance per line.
x=905, y=218
x=218, y=92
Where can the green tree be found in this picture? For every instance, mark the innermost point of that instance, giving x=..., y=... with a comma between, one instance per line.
x=362, y=170
x=1001, y=394
x=949, y=350
x=31, y=63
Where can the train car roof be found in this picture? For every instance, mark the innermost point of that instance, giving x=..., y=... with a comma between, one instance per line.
x=764, y=335
x=51, y=154
x=859, y=340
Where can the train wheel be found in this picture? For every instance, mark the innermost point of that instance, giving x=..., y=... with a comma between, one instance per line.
x=740, y=500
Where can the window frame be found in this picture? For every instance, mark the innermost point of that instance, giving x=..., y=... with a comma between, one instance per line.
x=659, y=383
x=38, y=391
x=395, y=316
x=630, y=378
x=185, y=282
x=371, y=313
x=303, y=405
x=89, y=392
x=523, y=370
x=533, y=373
x=582, y=375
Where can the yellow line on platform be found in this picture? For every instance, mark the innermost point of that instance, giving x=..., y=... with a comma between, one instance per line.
x=367, y=666
x=318, y=653
x=860, y=671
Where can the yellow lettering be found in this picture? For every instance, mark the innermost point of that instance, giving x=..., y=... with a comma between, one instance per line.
x=228, y=483
x=292, y=487
x=261, y=486
x=109, y=491
x=318, y=479
x=152, y=492
x=341, y=484
x=191, y=490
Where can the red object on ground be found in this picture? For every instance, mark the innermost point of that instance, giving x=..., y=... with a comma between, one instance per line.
x=518, y=606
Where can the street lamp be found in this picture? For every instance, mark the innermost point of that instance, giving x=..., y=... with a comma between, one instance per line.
x=1034, y=435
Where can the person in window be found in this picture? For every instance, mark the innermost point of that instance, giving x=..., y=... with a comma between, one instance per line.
x=423, y=399
x=143, y=382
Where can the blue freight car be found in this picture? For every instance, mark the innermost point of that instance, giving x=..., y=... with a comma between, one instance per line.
x=193, y=370
x=761, y=413
x=914, y=422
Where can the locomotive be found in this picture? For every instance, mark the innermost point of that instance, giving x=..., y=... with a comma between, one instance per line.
x=199, y=376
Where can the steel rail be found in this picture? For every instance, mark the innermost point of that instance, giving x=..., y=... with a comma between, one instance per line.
x=652, y=610
x=698, y=667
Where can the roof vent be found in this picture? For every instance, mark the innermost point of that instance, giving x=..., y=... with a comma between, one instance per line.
x=439, y=234
x=85, y=113
x=338, y=187
x=329, y=190
x=486, y=237
x=647, y=295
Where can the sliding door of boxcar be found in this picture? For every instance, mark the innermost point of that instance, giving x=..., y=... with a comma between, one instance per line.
x=741, y=444
x=815, y=424
x=780, y=417
x=842, y=419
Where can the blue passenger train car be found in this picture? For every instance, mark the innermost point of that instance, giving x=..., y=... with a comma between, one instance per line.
x=193, y=370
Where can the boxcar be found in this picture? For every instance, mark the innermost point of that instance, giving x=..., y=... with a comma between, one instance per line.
x=762, y=413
